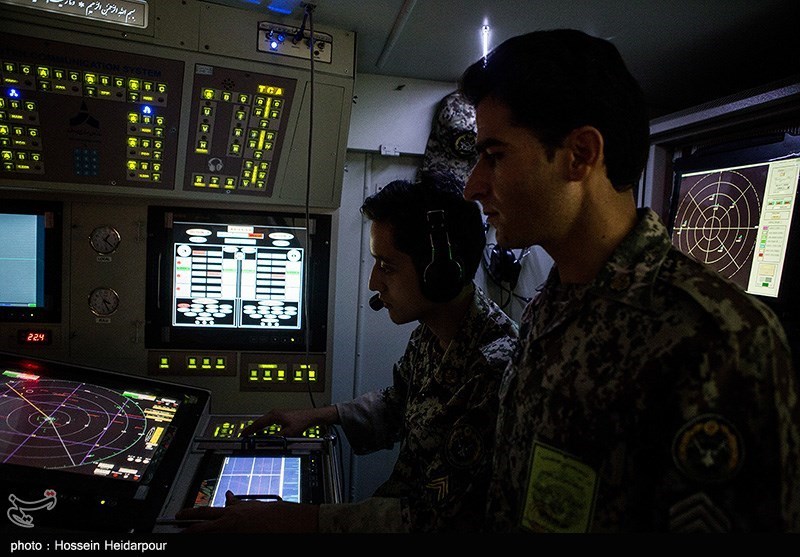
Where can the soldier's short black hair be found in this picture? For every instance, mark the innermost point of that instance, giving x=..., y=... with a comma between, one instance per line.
x=404, y=204
x=557, y=80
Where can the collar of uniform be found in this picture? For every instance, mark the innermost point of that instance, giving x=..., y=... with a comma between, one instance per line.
x=630, y=274
x=454, y=363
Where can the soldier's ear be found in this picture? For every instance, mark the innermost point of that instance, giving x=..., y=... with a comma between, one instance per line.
x=585, y=150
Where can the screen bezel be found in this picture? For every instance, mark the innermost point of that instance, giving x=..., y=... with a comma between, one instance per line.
x=161, y=334
x=758, y=149
x=53, y=214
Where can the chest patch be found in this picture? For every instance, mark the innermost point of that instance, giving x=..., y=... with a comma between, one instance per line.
x=561, y=492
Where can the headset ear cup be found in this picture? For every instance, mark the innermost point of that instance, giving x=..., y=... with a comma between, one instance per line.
x=504, y=266
x=442, y=280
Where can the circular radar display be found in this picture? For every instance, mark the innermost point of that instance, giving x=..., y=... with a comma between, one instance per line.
x=718, y=217
x=55, y=424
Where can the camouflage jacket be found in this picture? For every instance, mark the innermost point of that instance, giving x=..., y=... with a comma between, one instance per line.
x=660, y=397
x=442, y=408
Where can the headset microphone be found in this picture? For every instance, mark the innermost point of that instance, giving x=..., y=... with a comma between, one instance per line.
x=376, y=303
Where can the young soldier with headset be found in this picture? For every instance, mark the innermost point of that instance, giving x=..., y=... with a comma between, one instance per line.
x=427, y=241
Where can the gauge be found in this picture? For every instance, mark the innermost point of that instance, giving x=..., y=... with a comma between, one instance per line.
x=104, y=239
x=103, y=301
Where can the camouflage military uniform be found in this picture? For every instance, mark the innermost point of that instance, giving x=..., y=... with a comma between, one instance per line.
x=658, y=398
x=443, y=410
x=451, y=143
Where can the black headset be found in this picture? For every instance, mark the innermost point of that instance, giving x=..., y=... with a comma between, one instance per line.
x=443, y=277
x=504, y=266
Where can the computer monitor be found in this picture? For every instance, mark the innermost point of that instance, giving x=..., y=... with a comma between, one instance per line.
x=734, y=209
x=30, y=261
x=103, y=446
x=237, y=280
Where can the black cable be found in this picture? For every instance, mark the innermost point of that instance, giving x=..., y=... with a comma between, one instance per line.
x=309, y=9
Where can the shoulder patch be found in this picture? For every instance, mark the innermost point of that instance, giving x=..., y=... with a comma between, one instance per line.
x=708, y=448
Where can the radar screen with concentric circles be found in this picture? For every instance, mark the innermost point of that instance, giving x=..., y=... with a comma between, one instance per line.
x=717, y=219
x=80, y=427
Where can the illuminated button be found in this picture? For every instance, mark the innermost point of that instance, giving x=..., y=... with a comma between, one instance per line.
x=227, y=96
x=191, y=362
x=163, y=362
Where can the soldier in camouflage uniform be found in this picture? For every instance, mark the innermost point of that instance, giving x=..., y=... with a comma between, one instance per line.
x=649, y=394
x=442, y=405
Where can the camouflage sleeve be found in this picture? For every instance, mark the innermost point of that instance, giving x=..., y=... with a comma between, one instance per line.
x=373, y=420
x=374, y=515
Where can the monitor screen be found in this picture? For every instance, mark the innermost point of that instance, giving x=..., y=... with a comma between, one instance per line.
x=106, y=445
x=263, y=478
x=236, y=280
x=732, y=209
x=81, y=427
x=298, y=473
x=30, y=261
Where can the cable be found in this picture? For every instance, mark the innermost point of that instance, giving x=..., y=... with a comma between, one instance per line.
x=309, y=10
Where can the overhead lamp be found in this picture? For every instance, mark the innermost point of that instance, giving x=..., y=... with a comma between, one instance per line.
x=485, y=39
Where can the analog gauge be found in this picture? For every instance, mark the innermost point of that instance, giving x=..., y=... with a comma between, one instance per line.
x=103, y=301
x=104, y=239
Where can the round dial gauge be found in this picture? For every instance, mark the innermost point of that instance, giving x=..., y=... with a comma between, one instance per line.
x=103, y=301
x=104, y=239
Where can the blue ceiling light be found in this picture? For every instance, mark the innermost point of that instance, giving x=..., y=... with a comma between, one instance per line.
x=284, y=7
